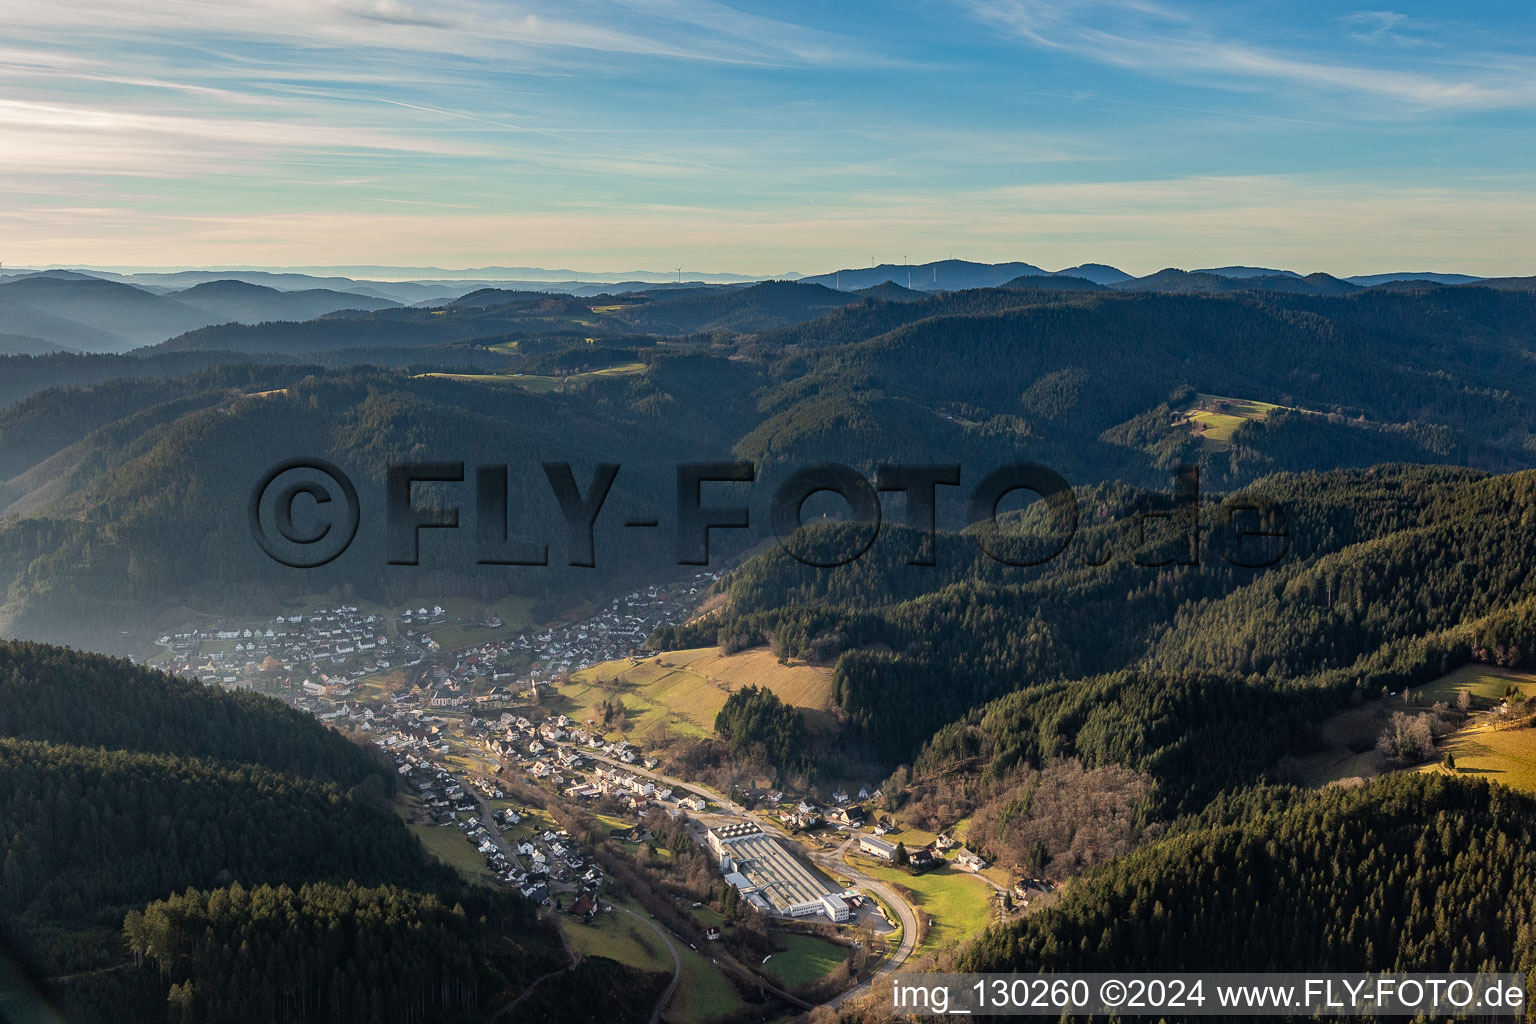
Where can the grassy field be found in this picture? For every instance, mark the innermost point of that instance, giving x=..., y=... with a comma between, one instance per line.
x=1480, y=747
x=1499, y=755
x=686, y=689
x=958, y=903
x=539, y=384
x=612, y=822
x=1486, y=683
x=1350, y=735
x=1217, y=417
x=703, y=994
x=450, y=847
x=804, y=960
x=709, y=917
x=1349, y=739
x=620, y=937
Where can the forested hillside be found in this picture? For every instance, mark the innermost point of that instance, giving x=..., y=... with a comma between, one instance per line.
x=389, y=955
x=1099, y=385
x=60, y=696
x=1202, y=676
x=1169, y=659
x=140, y=814
x=1410, y=873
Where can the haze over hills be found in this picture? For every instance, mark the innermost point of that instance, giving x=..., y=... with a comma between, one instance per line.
x=1394, y=426
x=1098, y=273
x=83, y=311
x=1096, y=382
x=1173, y=280
x=92, y=314
x=942, y=274
x=25, y=321
x=23, y=345
x=1372, y=279
x=251, y=303
x=1245, y=272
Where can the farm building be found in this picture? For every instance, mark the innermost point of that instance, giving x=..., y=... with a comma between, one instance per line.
x=877, y=847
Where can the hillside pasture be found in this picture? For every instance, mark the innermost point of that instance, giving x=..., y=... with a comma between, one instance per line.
x=686, y=689
x=1487, y=684
x=1216, y=418
x=1484, y=747
x=541, y=383
x=959, y=905
x=804, y=960
x=1484, y=750
x=1349, y=737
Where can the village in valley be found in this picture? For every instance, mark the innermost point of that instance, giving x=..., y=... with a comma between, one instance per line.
x=500, y=781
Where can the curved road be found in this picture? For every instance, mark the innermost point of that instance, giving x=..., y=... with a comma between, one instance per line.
x=677, y=961
x=836, y=863
x=831, y=862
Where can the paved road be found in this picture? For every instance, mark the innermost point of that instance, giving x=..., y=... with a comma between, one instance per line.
x=835, y=862
x=830, y=862
x=506, y=848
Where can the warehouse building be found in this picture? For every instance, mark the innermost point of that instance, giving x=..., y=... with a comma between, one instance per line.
x=769, y=876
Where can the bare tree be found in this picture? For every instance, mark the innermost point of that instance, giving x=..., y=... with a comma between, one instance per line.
x=1407, y=738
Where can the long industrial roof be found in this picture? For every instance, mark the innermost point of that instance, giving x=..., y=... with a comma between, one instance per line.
x=783, y=880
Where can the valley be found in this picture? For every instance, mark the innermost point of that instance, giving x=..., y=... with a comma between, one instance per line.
x=755, y=787
x=722, y=513
x=491, y=759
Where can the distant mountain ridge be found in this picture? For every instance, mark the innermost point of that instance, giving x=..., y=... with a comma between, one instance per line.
x=108, y=312
x=1098, y=273
x=1183, y=281
x=942, y=275
x=957, y=275
x=84, y=313
x=253, y=303
x=25, y=345
x=1246, y=272
x=1432, y=278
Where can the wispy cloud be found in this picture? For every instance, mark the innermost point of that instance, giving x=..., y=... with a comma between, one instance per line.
x=1383, y=27
x=595, y=132
x=1167, y=41
x=66, y=139
x=699, y=30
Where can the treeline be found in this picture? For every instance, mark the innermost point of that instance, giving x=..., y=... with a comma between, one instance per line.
x=1412, y=872
x=757, y=717
x=61, y=696
x=349, y=953
x=88, y=833
x=303, y=896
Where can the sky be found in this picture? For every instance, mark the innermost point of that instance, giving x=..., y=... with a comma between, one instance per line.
x=769, y=138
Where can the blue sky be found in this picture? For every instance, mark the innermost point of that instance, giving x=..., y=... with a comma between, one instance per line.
x=768, y=138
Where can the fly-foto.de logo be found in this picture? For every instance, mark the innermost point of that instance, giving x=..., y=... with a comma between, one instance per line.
x=305, y=513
